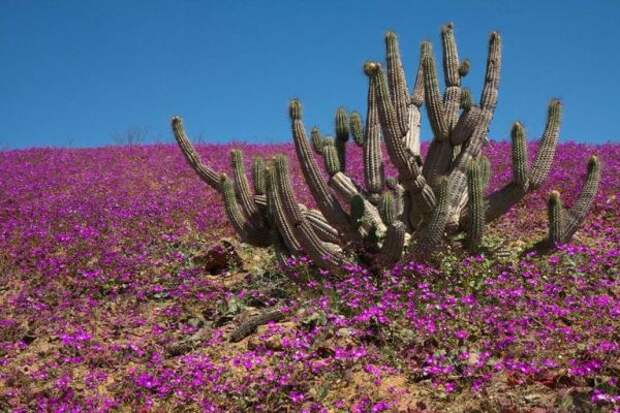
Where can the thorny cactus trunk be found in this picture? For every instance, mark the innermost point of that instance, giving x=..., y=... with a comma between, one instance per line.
x=387, y=219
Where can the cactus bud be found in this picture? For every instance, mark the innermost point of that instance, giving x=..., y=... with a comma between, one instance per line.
x=464, y=67
x=371, y=68
x=295, y=109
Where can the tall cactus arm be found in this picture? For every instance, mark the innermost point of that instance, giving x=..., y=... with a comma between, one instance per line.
x=324, y=254
x=412, y=138
x=520, y=163
x=326, y=201
x=452, y=74
x=500, y=201
x=439, y=155
x=342, y=136
x=563, y=223
x=556, y=221
x=394, y=142
x=526, y=179
x=317, y=140
x=471, y=149
x=432, y=95
x=258, y=175
x=488, y=99
x=373, y=160
x=242, y=187
x=579, y=210
x=548, y=144
x=475, y=206
x=282, y=222
x=451, y=62
x=246, y=230
x=355, y=126
x=397, y=82
x=332, y=160
x=207, y=174
x=417, y=94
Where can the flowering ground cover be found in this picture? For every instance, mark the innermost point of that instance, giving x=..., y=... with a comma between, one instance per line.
x=109, y=300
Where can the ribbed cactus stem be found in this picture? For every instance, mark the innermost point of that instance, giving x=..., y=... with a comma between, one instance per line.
x=332, y=161
x=556, y=225
x=432, y=95
x=318, y=222
x=431, y=234
x=466, y=125
x=393, y=245
x=233, y=211
x=324, y=254
x=284, y=225
x=242, y=187
x=326, y=201
x=342, y=136
x=387, y=208
x=417, y=95
x=258, y=176
x=317, y=140
x=450, y=56
x=389, y=125
x=475, y=210
x=373, y=161
x=583, y=204
x=387, y=113
x=207, y=174
x=546, y=148
x=355, y=126
x=485, y=170
x=396, y=80
x=488, y=100
x=342, y=124
x=520, y=168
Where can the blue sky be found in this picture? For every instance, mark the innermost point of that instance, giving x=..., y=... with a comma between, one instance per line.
x=81, y=73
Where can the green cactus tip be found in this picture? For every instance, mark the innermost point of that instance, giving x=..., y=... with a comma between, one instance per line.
x=295, y=109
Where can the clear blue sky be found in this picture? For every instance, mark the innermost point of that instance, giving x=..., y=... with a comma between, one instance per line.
x=75, y=73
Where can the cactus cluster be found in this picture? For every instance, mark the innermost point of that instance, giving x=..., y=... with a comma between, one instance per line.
x=388, y=218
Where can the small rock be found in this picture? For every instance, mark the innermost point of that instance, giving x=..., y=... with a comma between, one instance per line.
x=220, y=258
